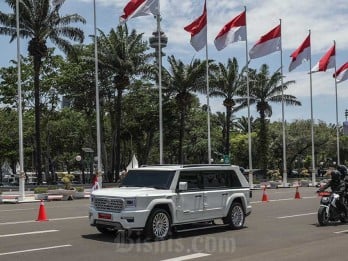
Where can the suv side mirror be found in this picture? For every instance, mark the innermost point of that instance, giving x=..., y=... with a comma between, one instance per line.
x=182, y=186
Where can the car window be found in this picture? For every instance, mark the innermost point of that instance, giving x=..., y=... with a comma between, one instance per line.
x=215, y=179
x=193, y=179
x=159, y=179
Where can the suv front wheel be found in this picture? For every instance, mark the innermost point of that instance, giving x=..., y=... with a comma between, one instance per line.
x=158, y=225
x=235, y=217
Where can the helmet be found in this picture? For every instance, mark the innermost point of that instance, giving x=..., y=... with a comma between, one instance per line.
x=335, y=175
x=343, y=170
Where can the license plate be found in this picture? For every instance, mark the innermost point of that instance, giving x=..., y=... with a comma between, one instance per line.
x=104, y=215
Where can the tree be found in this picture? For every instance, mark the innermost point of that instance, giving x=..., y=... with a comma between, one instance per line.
x=266, y=89
x=182, y=81
x=40, y=22
x=226, y=83
x=122, y=59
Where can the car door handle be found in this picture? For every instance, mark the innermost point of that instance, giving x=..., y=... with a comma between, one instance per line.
x=198, y=196
x=225, y=194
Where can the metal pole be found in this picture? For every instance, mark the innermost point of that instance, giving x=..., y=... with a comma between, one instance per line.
x=283, y=118
x=99, y=170
x=207, y=80
x=158, y=17
x=337, y=126
x=249, y=124
x=312, y=121
x=20, y=119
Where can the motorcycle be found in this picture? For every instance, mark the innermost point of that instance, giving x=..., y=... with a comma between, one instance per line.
x=329, y=210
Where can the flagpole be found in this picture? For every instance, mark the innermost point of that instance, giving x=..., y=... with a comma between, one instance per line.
x=337, y=127
x=312, y=120
x=99, y=170
x=207, y=80
x=158, y=17
x=283, y=118
x=20, y=116
x=248, y=99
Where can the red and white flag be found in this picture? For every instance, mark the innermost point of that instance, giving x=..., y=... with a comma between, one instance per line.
x=268, y=43
x=342, y=73
x=233, y=31
x=198, y=30
x=136, y=8
x=302, y=53
x=328, y=61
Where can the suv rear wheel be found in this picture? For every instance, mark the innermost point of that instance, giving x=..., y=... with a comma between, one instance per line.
x=158, y=225
x=235, y=217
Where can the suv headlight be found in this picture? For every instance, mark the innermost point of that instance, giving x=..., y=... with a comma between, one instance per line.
x=130, y=202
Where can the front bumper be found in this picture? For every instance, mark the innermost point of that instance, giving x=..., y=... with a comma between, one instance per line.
x=125, y=220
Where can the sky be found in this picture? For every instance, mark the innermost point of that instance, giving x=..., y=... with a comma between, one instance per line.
x=326, y=19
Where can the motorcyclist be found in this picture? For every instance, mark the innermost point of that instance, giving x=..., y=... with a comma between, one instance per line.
x=337, y=185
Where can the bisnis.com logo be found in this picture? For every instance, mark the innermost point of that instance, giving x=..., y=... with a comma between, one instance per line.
x=206, y=244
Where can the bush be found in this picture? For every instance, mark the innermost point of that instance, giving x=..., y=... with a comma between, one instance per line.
x=79, y=189
x=40, y=190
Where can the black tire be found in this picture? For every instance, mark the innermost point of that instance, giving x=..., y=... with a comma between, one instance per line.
x=235, y=217
x=107, y=230
x=158, y=225
x=323, y=217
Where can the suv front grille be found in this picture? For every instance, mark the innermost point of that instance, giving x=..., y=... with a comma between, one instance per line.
x=109, y=204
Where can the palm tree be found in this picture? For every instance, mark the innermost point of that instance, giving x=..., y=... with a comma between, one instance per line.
x=121, y=56
x=264, y=89
x=227, y=83
x=40, y=22
x=182, y=81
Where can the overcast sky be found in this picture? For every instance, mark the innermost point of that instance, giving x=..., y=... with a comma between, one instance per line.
x=325, y=18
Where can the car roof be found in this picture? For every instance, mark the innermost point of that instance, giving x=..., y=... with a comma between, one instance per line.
x=185, y=166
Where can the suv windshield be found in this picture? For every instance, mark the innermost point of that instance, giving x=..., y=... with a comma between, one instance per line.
x=159, y=179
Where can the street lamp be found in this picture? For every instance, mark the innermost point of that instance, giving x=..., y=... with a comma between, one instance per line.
x=90, y=160
x=78, y=158
x=158, y=41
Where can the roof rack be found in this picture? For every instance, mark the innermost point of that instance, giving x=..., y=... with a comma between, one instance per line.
x=186, y=165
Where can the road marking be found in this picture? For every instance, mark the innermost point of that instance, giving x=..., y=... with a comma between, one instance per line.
x=34, y=221
x=29, y=233
x=299, y=215
x=188, y=257
x=282, y=199
x=33, y=250
x=340, y=232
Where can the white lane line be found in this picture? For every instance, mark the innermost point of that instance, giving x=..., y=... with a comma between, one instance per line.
x=340, y=232
x=34, y=221
x=188, y=257
x=29, y=233
x=299, y=215
x=282, y=199
x=33, y=250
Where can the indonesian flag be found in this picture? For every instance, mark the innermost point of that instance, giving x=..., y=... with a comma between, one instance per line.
x=198, y=30
x=342, y=73
x=233, y=31
x=302, y=53
x=136, y=8
x=267, y=44
x=327, y=61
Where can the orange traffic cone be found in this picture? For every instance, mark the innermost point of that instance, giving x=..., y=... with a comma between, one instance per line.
x=264, y=195
x=42, y=212
x=297, y=194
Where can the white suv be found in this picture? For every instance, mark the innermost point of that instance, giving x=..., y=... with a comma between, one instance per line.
x=157, y=199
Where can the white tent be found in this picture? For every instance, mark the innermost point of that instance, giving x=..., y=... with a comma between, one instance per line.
x=133, y=164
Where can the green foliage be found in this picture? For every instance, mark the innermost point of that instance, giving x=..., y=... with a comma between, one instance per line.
x=40, y=190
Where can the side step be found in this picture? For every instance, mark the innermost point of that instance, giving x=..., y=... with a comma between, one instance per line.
x=186, y=228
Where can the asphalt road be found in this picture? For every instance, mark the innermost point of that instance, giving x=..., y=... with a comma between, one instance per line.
x=282, y=229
